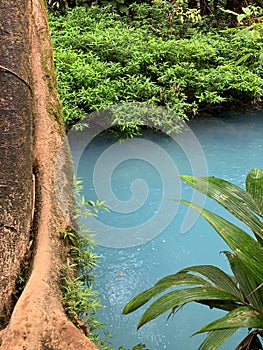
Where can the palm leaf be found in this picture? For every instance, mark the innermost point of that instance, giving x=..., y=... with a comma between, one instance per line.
x=216, y=338
x=184, y=278
x=220, y=304
x=237, y=201
x=217, y=276
x=176, y=298
x=178, y=279
x=250, y=251
x=210, y=285
x=254, y=186
x=242, y=317
x=248, y=284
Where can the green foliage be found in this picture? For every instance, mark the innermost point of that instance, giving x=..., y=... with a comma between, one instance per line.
x=20, y=285
x=63, y=5
x=80, y=300
x=240, y=295
x=164, y=18
x=103, y=59
x=249, y=16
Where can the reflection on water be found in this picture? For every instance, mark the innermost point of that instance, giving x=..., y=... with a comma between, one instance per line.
x=232, y=145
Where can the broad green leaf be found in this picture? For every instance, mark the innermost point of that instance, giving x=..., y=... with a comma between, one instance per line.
x=249, y=250
x=220, y=304
x=254, y=186
x=249, y=286
x=242, y=317
x=240, y=17
x=247, y=11
x=176, y=298
x=178, y=279
x=216, y=338
x=217, y=276
x=237, y=201
x=183, y=278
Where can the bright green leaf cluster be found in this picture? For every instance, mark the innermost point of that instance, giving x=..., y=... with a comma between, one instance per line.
x=103, y=59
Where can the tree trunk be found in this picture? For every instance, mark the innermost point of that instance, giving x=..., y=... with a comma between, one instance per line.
x=204, y=8
x=16, y=193
x=192, y=4
x=236, y=5
x=201, y=4
x=30, y=216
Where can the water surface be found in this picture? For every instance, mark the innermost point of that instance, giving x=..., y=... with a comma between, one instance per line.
x=232, y=145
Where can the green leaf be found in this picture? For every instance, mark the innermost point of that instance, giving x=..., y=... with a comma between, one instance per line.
x=178, y=279
x=238, y=202
x=217, y=276
x=247, y=11
x=140, y=347
x=216, y=338
x=183, y=278
x=242, y=317
x=250, y=251
x=254, y=186
x=229, y=11
x=221, y=304
x=243, y=58
x=248, y=284
x=240, y=17
x=176, y=298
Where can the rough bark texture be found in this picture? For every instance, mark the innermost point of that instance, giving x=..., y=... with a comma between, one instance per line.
x=15, y=150
x=38, y=320
x=204, y=7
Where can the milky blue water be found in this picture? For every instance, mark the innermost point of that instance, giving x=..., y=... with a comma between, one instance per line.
x=232, y=144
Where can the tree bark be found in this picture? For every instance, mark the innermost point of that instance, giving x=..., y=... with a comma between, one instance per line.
x=204, y=7
x=236, y=5
x=30, y=217
x=16, y=184
x=192, y=4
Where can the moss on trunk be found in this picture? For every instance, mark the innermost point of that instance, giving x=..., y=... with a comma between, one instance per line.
x=38, y=320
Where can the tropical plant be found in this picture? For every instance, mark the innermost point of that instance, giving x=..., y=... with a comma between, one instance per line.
x=240, y=295
x=102, y=60
x=80, y=299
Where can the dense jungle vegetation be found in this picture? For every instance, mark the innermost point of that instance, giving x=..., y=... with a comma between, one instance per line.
x=190, y=57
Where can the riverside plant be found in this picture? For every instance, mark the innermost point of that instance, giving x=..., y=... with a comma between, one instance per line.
x=101, y=60
x=240, y=295
x=80, y=300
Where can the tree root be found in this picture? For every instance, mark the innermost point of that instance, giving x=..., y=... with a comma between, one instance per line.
x=38, y=320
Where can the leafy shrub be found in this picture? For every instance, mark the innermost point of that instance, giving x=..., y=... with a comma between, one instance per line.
x=103, y=59
x=164, y=17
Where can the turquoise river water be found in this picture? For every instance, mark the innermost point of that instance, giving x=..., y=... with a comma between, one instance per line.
x=142, y=238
